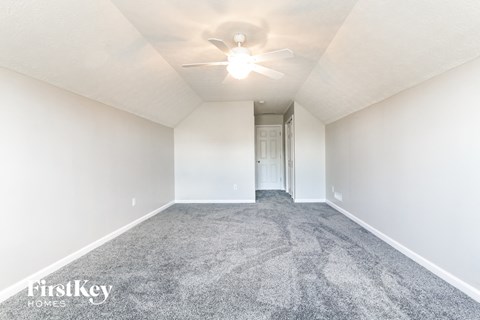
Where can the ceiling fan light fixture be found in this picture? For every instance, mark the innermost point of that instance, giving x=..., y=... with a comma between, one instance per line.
x=240, y=63
x=239, y=70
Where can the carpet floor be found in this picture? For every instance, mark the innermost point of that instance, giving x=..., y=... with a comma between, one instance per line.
x=270, y=260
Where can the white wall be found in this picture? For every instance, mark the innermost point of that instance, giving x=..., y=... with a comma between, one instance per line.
x=69, y=168
x=268, y=119
x=289, y=112
x=215, y=149
x=410, y=167
x=309, y=156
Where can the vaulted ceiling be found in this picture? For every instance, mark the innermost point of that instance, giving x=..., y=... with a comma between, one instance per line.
x=179, y=31
x=128, y=54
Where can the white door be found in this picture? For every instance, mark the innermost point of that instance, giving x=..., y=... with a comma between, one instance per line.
x=269, y=164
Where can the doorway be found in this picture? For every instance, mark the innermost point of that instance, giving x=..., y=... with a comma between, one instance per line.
x=269, y=157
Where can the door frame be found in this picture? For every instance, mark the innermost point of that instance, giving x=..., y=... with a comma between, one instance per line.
x=282, y=158
x=290, y=152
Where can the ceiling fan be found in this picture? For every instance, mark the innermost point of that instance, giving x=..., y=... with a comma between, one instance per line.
x=240, y=61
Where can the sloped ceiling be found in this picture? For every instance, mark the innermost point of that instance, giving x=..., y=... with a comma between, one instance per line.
x=90, y=48
x=128, y=54
x=384, y=47
x=179, y=31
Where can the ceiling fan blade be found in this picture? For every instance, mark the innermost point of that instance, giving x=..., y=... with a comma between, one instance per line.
x=222, y=46
x=272, y=74
x=274, y=55
x=205, y=64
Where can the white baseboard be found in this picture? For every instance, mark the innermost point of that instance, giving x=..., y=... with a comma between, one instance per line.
x=308, y=200
x=22, y=284
x=432, y=267
x=214, y=201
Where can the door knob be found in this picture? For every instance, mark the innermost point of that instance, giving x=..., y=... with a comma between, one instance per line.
x=258, y=161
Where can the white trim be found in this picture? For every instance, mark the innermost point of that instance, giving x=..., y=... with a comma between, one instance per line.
x=469, y=290
x=214, y=201
x=309, y=200
x=288, y=153
x=22, y=284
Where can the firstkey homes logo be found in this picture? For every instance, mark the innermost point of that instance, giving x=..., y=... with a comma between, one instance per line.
x=53, y=295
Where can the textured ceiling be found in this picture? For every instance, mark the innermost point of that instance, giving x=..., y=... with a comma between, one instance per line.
x=179, y=31
x=90, y=48
x=385, y=47
x=128, y=54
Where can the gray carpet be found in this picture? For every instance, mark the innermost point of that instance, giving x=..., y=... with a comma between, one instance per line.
x=269, y=260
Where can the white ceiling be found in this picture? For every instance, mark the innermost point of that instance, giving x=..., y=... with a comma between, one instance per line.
x=384, y=47
x=90, y=48
x=179, y=31
x=128, y=54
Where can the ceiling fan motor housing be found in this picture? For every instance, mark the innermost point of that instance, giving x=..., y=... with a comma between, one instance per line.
x=239, y=38
x=239, y=51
